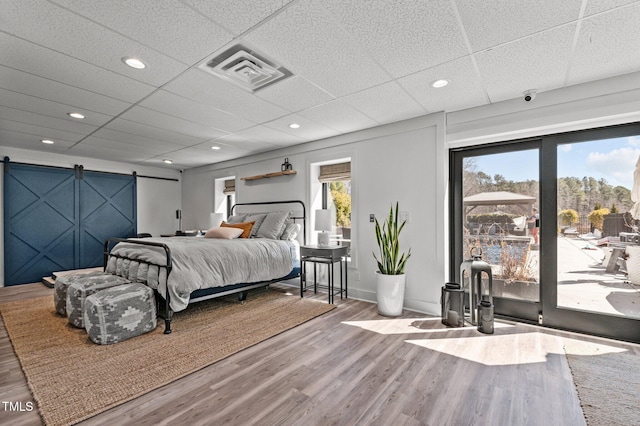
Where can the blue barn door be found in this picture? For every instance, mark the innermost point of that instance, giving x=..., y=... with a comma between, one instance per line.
x=58, y=219
x=40, y=222
x=107, y=209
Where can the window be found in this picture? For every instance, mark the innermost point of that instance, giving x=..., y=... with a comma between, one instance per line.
x=224, y=196
x=230, y=193
x=336, y=196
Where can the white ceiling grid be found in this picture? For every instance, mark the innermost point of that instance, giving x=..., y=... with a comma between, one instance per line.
x=355, y=64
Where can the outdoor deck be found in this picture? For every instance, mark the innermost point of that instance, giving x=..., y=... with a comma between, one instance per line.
x=584, y=283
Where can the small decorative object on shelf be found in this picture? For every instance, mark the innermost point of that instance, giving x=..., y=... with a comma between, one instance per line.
x=286, y=165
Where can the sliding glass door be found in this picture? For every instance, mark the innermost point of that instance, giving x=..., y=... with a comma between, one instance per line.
x=497, y=217
x=556, y=219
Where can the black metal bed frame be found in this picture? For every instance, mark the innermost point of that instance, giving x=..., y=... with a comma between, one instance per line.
x=241, y=288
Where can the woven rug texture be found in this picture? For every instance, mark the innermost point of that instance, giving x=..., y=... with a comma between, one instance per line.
x=608, y=383
x=72, y=379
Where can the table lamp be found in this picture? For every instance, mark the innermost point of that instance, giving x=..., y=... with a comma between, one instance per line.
x=323, y=224
x=215, y=220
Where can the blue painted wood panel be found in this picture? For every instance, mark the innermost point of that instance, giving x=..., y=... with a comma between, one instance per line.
x=107, y=209
x=58, y=219
x=40, y=222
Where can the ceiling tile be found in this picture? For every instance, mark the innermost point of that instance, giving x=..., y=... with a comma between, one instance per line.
x=111, y=153
x=177, y=106
x=601, y=52
x=152, y=132
x=164, y=25
x=40, y=132
x=321, y=50
x=38, y=20
x=463, y=91
x=238, y=16
x=170, y=123
x=138, y=149
x=490, y=23
x=134, y=140
x=309, y=130
x=340, y=116
x=245, y=142
x=404, y=37
x=207, y=89
x=30, y=84
x=29, y=57
x=226, y=151
x=192, y=157
x=65, y=124
x=294, y=94
x=22, y=102
x=19, y=139
x=537, y=62
x=594, y=7
x=269, y=135
x=397, y=104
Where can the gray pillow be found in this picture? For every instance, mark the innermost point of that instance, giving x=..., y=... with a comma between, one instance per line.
x=236, y=218
x=290, y=231
x=273, y=225
x=258, y=218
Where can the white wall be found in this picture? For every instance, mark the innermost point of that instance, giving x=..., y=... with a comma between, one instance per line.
x=584, y=106
x=404, y=162
x=157, y=200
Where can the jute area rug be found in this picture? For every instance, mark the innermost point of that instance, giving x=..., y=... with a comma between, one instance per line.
x=608, y=383
x=72, y=378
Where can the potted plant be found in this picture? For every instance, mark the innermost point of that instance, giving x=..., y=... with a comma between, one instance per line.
x=391, y=278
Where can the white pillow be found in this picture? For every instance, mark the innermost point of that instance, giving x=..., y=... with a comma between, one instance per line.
x=290, y=231
x=225, y=233
x=273, y=225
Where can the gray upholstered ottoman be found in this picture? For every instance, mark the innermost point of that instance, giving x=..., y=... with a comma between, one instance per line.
x=120, y=313
x=62, y=283
x=78, y=291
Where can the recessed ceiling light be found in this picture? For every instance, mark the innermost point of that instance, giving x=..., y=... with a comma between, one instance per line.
x=294, y=125
x=47, y=141
x=215, y=147
x=133, y=62
x=168, y=161
x=439, y=83
x=76, y=115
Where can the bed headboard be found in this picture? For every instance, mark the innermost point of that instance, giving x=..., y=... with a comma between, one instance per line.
x=296, y=208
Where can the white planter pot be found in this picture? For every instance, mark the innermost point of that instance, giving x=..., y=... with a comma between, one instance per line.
x=390, y=294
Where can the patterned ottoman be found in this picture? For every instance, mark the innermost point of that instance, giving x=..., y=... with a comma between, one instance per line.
x=82, y=288
x=120, y=313
x=61, y=285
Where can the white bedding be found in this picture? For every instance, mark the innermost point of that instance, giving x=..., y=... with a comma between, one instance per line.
x=200, y=263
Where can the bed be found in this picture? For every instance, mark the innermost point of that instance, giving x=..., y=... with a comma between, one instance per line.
x=184, y=270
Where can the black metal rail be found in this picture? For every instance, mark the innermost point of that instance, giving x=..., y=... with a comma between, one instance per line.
x=111, y=242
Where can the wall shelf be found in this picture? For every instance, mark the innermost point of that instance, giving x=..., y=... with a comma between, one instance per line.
x=270, y=175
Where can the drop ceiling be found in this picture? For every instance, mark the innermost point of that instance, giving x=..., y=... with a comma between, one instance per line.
x=353, y=65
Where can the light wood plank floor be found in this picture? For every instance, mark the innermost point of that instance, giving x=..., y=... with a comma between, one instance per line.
x=352, y=367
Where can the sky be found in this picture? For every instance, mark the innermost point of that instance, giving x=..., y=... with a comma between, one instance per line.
x=611, y=159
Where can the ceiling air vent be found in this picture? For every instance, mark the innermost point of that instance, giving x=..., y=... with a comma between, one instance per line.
x=245, y=68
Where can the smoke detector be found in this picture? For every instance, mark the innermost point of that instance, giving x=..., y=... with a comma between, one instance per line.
x=245, y=68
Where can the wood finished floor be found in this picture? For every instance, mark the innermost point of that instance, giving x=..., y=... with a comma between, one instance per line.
x=351, y=367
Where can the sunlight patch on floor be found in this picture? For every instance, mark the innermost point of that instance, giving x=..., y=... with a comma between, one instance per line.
x=411, y=326
x=505, y=349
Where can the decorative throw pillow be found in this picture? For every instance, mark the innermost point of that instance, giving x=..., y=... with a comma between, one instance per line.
x=258, y=218
x=225, y=233
x=290, y=231
x=245, y=226
x=272, y=226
